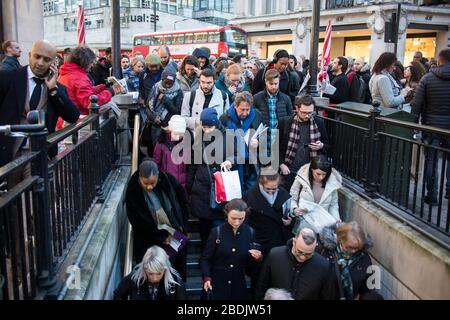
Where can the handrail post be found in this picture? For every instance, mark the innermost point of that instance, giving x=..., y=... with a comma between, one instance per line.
x=94, y=108
x=44, y=237
x=372, y=159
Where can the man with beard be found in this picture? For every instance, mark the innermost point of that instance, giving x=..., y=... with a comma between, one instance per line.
x=207, y=96
x=12, y=54
x=33, y=87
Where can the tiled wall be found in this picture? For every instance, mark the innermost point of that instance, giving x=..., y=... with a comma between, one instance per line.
x=391, y=287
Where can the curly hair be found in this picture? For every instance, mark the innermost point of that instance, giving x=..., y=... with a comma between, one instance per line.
x=82, y=56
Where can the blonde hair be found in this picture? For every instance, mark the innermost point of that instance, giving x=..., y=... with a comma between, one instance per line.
x=156, y=260
x=135, y=61
x=234, y=69
x=351, y=229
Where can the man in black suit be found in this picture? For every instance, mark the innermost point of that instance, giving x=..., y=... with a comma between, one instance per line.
x=33, y=87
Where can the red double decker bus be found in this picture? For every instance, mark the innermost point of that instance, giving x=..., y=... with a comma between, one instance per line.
x=231, y=40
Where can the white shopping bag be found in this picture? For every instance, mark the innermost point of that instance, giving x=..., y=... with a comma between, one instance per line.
x=228, y=185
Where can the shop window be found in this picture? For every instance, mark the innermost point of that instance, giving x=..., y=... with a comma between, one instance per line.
x=426, y=45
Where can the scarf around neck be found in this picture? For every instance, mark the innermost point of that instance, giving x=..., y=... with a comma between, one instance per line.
x=269, y=197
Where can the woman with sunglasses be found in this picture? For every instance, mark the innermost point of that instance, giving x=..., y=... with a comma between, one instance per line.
x=346, y=248
x=152, y=279
x=266, y=201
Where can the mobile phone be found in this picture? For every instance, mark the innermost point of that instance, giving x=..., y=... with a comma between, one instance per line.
x=50, y=75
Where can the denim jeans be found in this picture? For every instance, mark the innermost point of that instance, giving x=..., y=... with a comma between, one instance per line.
x=432, y=168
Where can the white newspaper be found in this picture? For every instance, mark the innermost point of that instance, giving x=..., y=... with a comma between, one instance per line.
x=122, y=83
x=256, y=135
x=328, y=89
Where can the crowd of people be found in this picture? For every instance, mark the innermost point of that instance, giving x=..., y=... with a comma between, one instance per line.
x=286, y=231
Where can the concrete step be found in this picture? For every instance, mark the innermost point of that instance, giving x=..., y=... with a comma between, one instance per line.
x=194, y=246
x=193, y=225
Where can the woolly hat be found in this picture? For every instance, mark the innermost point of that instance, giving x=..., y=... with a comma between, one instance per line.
x=177, y=125
x=169, y=74
x=152, y=59
x=208, y=117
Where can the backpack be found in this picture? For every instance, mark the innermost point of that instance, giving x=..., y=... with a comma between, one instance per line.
x=358, y=89
x=192, y=99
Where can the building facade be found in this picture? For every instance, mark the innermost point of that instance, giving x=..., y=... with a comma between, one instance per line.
x=60, y=19
x=13, y=15
x=360, y=27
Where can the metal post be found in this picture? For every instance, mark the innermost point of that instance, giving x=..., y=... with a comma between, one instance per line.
x=372, y=159
x=314, y=47
x=115, y=37
x=397, y=23
x=39, y=167
x=94, y=108
x=154, y=13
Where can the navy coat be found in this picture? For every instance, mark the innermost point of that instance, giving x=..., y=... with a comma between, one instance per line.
x=224, y=263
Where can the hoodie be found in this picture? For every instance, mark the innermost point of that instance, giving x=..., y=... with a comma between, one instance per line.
x=431, y=100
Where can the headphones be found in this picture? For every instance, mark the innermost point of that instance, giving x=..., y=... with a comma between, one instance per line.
x=276, y=53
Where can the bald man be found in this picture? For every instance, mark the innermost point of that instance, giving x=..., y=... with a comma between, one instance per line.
x=164, y=54
x=33, y=87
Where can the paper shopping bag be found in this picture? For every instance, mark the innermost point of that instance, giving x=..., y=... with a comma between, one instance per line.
x=228, y=186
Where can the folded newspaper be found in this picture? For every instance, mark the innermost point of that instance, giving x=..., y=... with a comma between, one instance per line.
x=316, y=216
x=257, y=133
x=122, y=83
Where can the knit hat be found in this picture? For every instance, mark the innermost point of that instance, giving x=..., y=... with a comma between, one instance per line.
x=177, y=125
x=200, y=52
x=208, y=117
x=168, y=74
x=152, y=59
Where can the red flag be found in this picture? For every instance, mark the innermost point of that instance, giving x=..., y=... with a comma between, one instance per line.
x=80, y=27
x=326, y=51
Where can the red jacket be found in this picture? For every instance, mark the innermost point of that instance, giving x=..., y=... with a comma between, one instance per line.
x=80, y=88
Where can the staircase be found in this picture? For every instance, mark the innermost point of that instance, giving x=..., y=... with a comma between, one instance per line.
x=194, y=282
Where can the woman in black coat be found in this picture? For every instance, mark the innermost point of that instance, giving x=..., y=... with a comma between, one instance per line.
x=152, y=279
x=266, y=201
x=346, y=248
x=230, y=249
x=155, y=199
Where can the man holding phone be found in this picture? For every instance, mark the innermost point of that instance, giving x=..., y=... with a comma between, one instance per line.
x=33, y=87
x=302, y=137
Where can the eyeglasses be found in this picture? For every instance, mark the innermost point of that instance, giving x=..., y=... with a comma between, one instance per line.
x=303, y=254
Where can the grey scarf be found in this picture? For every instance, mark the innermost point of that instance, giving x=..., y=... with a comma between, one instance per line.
x=269, y=197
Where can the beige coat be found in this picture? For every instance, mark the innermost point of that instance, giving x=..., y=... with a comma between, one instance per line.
x=329, y=199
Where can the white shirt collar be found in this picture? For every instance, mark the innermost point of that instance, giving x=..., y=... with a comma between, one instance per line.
x=31, y=75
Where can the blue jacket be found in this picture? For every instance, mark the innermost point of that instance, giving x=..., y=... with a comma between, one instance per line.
x=10, y=64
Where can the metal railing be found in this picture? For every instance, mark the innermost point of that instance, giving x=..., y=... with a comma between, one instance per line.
x=42, y=212
x=134, y=167
x=393, y=162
